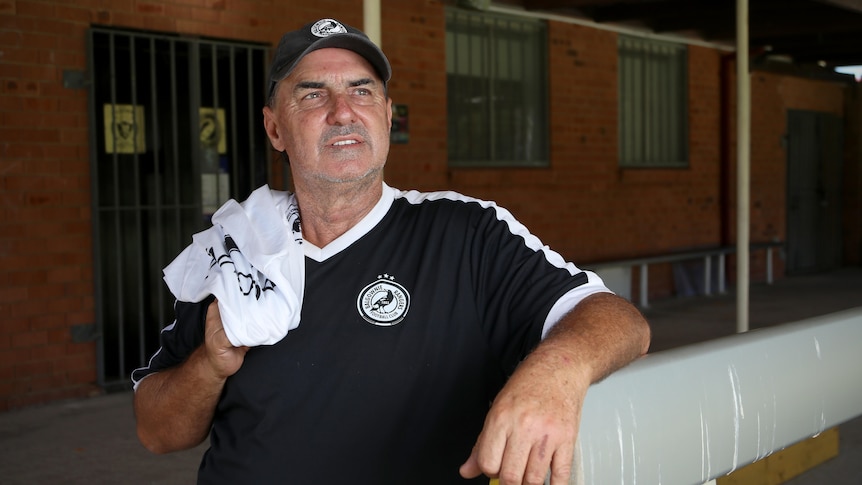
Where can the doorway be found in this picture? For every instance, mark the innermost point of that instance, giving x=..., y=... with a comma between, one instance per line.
x=176, y=130
x=814, y=162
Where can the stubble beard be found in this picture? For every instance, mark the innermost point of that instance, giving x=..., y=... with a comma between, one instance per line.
x=336, y=131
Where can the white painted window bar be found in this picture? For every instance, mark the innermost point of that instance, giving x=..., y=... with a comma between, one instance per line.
x=706, y=254
x=692, y=414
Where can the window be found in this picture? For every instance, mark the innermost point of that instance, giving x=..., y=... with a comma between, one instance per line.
x=496, y=75
x=653, y=109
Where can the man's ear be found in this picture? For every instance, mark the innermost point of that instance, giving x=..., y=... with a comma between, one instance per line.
x=389, y=109
x=270, y=124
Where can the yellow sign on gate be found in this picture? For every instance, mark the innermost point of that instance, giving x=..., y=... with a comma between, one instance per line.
x=124, y=128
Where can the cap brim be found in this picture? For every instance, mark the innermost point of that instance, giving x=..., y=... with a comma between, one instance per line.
x=352, y=42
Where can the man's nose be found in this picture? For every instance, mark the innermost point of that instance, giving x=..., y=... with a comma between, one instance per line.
x=341, y=111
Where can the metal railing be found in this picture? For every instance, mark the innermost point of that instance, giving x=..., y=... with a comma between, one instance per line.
x=696, y=413
x=706, y=254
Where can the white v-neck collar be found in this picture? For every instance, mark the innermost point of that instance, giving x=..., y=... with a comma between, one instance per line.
x=354, y=233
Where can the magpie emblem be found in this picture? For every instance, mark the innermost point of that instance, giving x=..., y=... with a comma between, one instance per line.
x=327, y=27
x=383, y=303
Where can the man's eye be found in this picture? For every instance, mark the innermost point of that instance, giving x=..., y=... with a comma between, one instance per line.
x=312, y=95
x=363, y=92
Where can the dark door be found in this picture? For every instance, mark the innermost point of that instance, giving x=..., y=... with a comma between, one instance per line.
x=814, y=162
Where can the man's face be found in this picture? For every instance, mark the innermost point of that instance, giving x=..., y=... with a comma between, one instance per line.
x=332, y=117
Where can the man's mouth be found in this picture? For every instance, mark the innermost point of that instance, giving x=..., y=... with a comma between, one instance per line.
x=345, y=142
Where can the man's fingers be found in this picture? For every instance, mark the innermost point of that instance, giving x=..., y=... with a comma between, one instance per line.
x=561, y=466
x=213, y=318
x=536, y=469
x=527, y=466
x=224, y=358
x=515, y=460
x=487, y=455
x=470, y=468
x=514, y=466
x=508, y=460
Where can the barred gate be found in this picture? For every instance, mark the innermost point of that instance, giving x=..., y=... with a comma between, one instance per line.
x=175, y=130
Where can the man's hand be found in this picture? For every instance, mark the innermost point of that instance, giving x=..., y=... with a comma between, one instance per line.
x=174, y=408
x=533, y=424
x=224, y=359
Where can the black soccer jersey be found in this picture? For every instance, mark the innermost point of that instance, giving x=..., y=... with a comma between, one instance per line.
x=410, y=324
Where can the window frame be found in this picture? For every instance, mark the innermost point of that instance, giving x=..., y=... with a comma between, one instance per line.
x=498, y=122
x=653, y=90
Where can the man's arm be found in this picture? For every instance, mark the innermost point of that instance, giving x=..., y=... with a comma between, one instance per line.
x=533, y=423
x=174, y=408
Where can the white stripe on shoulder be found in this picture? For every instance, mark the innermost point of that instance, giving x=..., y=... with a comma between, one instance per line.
x=502, y=214
x=569, y=300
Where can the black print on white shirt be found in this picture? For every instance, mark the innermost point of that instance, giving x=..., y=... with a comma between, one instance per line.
x=247, y=282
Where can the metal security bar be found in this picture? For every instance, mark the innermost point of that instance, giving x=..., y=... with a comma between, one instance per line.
x=653, y=103
x=175, y=131
x=696, y=413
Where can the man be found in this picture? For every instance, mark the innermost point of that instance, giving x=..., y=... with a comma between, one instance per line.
x=439, y=340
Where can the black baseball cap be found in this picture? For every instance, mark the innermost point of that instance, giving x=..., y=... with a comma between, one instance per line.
x=320, y=35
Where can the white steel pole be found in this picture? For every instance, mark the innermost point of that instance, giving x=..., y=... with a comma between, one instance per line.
x=743, y=165
x=371, y=21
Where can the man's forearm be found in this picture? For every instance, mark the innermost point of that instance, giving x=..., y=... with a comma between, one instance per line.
x=532, y=425
x=604, y=333
x=174, y=408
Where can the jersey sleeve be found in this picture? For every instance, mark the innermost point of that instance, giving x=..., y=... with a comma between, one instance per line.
x=177, y=340
x=522, y=286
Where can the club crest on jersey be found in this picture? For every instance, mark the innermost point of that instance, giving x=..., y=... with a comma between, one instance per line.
x=384, y=302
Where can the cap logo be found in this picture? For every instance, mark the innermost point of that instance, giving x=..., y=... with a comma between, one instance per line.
x=327, y=27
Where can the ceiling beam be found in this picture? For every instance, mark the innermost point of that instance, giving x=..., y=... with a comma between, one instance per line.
x=621, y=12
x=804, y=30
x=780, y=23
x=555, y=4
x=854, y=5
x=712, y=19
x=836, y=54
x=820, y=40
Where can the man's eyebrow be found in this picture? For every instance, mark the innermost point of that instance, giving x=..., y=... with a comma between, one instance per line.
x=320, y=85
x=362, y=82
x=308, y=85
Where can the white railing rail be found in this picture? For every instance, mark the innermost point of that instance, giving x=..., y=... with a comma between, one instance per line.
x=695, y=413
x=706, y=254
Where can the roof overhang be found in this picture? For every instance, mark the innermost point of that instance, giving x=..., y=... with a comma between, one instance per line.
x=809, y=35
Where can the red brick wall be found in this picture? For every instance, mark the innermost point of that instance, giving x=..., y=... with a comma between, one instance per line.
x=45, y=247
x=415, y=42
x=46, y=273
x=583, y=205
